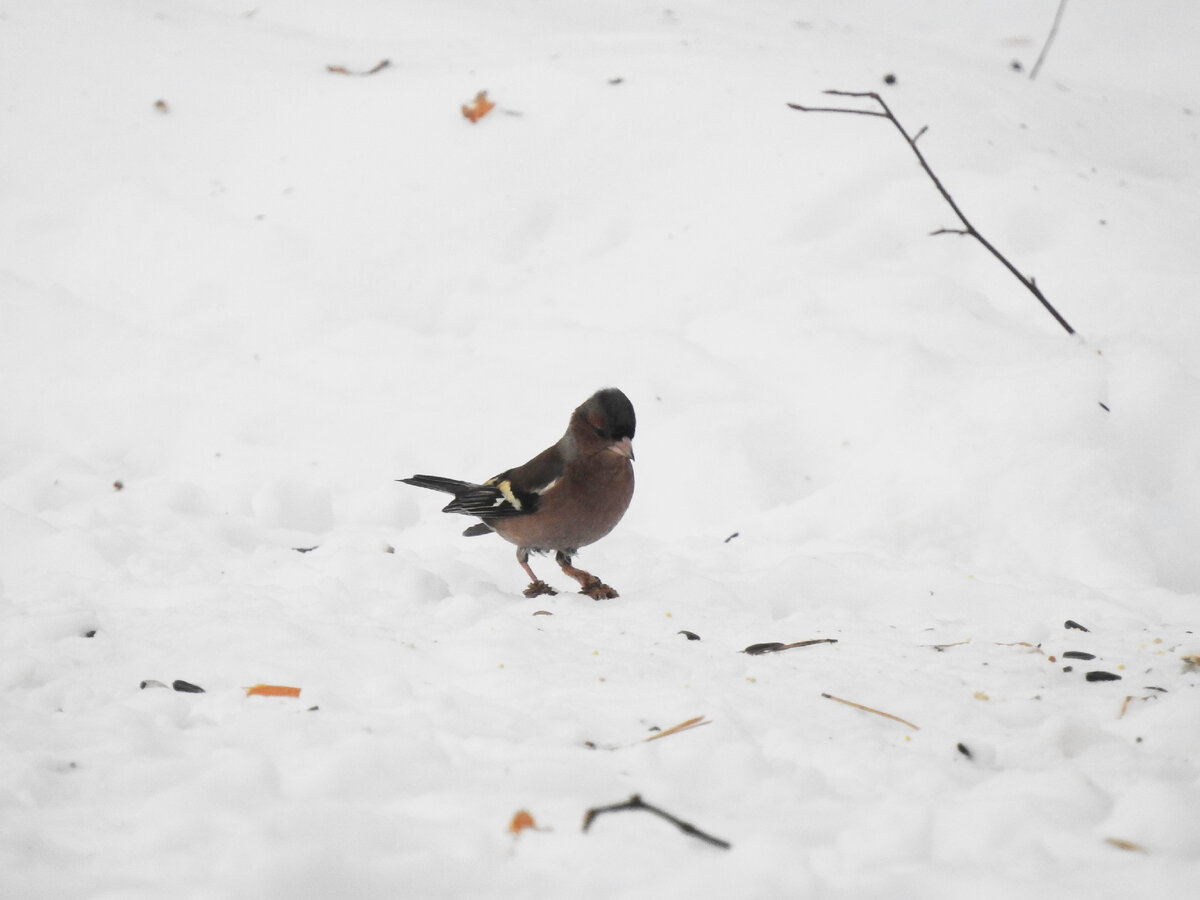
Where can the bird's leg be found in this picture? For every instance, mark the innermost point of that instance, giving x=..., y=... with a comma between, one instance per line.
x=537, y=587
x=588, y=583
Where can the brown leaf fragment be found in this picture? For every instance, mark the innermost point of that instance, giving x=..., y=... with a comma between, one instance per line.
x=478, y=108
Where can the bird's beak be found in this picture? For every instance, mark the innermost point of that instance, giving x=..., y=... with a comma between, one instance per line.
x=623, y=447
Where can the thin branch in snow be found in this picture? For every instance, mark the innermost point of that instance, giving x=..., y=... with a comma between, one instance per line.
x=636, y=802
x=872, y=710
x=967, y=228
x=1058, y=14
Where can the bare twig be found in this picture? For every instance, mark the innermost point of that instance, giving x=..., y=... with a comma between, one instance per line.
x=968, y=229
x=1058, y=14
x=870, y=710
x=636, y=802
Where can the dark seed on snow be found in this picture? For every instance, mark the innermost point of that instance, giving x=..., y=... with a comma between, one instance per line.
x=1102, y=676
x=756, y=649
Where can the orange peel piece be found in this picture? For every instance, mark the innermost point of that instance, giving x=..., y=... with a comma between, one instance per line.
x=520, y=821
x=272, y=690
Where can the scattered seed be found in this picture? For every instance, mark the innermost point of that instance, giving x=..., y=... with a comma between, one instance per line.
x=776, y=646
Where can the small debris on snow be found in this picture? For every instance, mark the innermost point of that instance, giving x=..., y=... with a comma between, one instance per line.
x=776, y=646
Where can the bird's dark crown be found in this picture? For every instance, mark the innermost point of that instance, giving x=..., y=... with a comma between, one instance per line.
x=616, y=419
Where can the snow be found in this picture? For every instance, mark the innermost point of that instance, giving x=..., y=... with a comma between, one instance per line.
x=231, y=323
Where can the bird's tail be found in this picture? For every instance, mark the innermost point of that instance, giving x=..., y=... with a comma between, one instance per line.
x=437, y=483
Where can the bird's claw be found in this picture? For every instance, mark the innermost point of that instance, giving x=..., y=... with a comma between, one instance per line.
x=598, y=590
x=539, y=588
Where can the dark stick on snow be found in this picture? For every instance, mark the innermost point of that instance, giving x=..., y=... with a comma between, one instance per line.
x=1058, y=14
x=636, y=802
x=967, y=227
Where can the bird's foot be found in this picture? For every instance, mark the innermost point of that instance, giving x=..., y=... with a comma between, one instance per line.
x=539, y=588
x=597, y=589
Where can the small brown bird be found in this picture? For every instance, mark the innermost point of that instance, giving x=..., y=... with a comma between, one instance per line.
x=568, y=496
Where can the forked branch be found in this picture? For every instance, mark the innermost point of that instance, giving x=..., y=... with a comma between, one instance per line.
x=885, y=112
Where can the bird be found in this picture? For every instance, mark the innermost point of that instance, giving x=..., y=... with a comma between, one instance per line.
x=570, y=495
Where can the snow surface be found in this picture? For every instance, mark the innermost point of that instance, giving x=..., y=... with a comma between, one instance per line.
x=257, y=304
